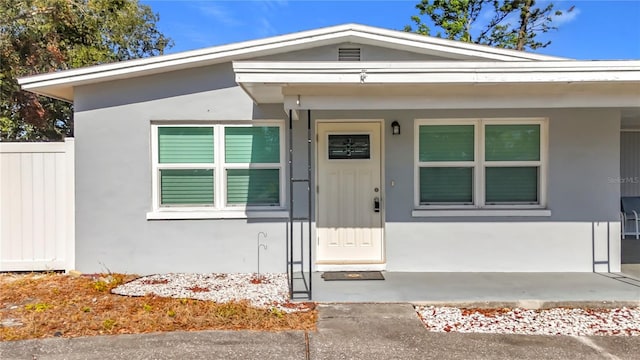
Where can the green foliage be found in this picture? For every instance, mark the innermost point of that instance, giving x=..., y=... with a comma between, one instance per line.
x=108, y=324
x=100, y=285
x=39, y=307
x=40, y=36
x=108, y=282
x=455, y=17
x=511, y=24
x=277, y=313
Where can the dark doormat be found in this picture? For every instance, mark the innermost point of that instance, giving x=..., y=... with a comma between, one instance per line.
x=351, y=275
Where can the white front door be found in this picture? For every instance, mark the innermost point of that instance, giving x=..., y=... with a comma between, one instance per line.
x=349, y=197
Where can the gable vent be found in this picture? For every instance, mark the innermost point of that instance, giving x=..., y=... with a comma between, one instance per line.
x=349, y=54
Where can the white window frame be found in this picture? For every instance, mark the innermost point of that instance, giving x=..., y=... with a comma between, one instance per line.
x=224, y=166
x=219, y=209
x=479, y=206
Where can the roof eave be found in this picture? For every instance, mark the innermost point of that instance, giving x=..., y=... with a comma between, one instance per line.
x=288, y=42
x=272, y=79
x=427, y=72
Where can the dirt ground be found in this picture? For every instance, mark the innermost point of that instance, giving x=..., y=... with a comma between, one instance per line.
x=58, y=305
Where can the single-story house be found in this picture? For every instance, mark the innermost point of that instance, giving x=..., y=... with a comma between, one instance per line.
x=375, y=149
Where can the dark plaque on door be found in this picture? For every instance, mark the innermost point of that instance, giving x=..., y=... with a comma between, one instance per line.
x=349, y=147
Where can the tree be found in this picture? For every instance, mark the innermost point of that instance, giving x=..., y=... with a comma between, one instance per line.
x=512, y=24
x=455, y=17
x=40, y=36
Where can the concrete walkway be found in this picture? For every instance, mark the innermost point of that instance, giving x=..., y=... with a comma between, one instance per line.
x=345, y=331
x=392, y=331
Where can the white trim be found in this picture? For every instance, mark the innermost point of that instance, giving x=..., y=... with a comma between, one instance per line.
x=527, y=84
x=491, y=96
x=70, y=251
x=416, y=162
x=479, y=165
x=425, y=72
x=350, y=267
x=182, y=214
x=483, y=212
x=381, y=122
x=60, y=84
x=219, y=209
x=39, y=147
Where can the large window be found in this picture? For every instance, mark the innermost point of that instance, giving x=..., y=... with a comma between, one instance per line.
x=496, y=163
x=218, y=167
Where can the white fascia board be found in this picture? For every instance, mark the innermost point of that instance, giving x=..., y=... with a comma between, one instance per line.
x=63, y=80
x=449, y=49
x=435, y=43
x=577, y=65
x=148, y=66
x=515, y=101
x=436, y=72
x=342, y=32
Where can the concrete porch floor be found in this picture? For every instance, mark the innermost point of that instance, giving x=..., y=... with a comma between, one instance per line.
x=459, y=288
x=533, y=289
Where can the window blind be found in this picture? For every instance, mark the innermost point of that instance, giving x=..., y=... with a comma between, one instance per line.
x=253, y=186
x=512, y=142
x=186, y=186
x=511, y=184
x=259, y=144
x=446, y=185
x=185, y=145
x=446, y=143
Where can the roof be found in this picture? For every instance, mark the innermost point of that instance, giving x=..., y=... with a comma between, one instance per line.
x=61, y=84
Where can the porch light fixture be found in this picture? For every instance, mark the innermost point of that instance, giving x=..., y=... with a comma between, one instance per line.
x=395, y=126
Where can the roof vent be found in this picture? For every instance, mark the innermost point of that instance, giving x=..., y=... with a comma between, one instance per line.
x=348, y=54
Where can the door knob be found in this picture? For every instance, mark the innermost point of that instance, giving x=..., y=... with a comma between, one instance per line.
x=376, y=204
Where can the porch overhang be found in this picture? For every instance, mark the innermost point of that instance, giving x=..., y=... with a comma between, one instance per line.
x=441, y=85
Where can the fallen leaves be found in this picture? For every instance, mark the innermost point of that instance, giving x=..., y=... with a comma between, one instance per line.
x=47, y=305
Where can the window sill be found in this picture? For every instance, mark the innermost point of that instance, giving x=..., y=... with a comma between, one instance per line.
x=482, y=212
x=216, y=214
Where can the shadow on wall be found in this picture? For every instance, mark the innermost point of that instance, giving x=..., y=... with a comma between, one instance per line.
x=161, y=86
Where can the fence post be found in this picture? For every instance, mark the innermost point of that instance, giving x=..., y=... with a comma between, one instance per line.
x=70, y=204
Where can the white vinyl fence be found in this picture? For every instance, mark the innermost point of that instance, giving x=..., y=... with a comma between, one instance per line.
x=37, y=206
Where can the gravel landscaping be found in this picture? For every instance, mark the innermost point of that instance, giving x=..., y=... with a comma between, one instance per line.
x=263, y=291
x=271, y=291
x=556, y=321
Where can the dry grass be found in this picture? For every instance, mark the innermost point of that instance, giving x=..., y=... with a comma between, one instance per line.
x=50, y=305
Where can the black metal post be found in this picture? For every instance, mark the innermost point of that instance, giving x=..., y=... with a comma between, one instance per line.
x=309, y=194
x=290, y=246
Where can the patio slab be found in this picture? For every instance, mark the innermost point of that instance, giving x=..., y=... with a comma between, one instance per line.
x=530, y=290
x=393, y=331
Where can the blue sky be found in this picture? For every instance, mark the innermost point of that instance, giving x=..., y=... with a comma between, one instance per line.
x=594, y=29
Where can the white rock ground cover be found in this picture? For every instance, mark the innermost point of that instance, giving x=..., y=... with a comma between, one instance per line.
x=555, y=321
x=271, y=290
x=263, y=291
